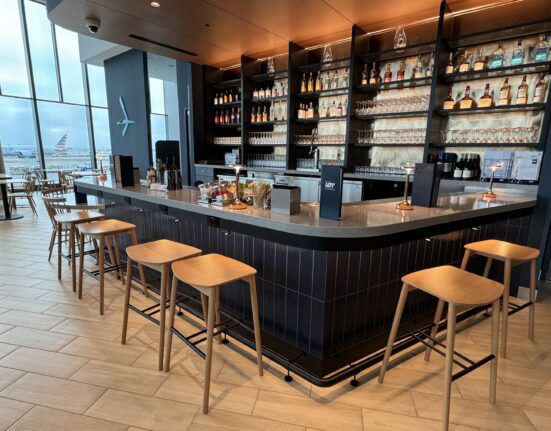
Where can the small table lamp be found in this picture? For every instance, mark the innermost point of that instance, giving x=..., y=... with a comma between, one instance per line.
x=237, y=204
x=102, y=175
x=490, y=193
x=409, y=167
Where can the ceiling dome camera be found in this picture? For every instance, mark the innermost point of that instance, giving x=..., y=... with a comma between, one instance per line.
x=93, y=24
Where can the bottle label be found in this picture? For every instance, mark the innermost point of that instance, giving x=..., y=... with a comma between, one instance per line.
x=372, y=80
x=464, y=67
x=496, y=62
x=447, y=167
x=449, y=69
x=467, y=173
x=538, y=94
x=458, y=173
x=522, y=96
x=485, y=102
x=517, y=58
x=466, y=104
x=541, y=54
x=449, y=104
x=479, y=65
x=504, y=96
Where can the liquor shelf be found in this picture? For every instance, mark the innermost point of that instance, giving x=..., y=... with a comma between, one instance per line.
x=493, y=109
x=396, y=85
x=500, y=72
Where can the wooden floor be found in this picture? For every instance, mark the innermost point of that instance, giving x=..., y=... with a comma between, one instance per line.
x=62, y=367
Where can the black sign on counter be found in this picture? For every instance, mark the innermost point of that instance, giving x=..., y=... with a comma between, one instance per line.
x=426, y=184
x=331, y=192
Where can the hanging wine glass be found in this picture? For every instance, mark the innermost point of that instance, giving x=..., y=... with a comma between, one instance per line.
x=400, y=38
x=271, y=67
x=327, y=54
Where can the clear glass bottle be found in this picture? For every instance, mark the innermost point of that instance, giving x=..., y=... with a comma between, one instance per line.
x=518, y=54
x=335, y=81
x=345, y=79
x=216, y=99
x=498, y=57
x=418, y=73
x=542, y=49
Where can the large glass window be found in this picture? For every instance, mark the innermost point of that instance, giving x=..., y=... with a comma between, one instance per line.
x=42, y=51
x=65, y=137
x=102, y=138
x=70, y=67
x=96, y=83
x=14, y=79
x=18, y=135
x=157, y=96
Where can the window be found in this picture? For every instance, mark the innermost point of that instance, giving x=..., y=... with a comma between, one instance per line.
x=96, y=83
x=42, y=51
x=157, y=96
x=158, y=130
x=14, y=79
x=18, y=135
x=65, y=139
x=70, y=67
x=102, y=138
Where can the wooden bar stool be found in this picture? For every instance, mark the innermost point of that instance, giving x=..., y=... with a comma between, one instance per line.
x=157, y=255
x=511, y=255
x=207, y=274
x=69, y=220
x=101, y=231
x=455, y=287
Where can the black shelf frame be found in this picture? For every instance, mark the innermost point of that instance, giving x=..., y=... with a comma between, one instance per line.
x=323, y=93
x=263, y=77
x=396, y=85
x=387, y=145
x=264, y=100
x=323, y=119
x=267, y=123
x=485, y=145
x=493, y=109
x=397, y=54
x=226, y=105
x=339, y=63
x=392, y=115
x=500, y=72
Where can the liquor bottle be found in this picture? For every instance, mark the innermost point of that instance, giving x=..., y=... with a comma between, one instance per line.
x=364, y=75
x=225, y=98
x=418, y=73
x=480, y=62
x=388, y=74
x=430, y=68
x=221, y=99
x=522, y=92
x=498, y=57
x=310, y=112
x=464, y=65
x=227, y=117
x=400, y=76
x=216, y=118
x=238, y=115
x=230, y=97
x=518, y=54
x=486, y=100
x=232, y=116
x=449, y=103
x=539, y=93
x=299, y=112
x=261, y=93
x=339, y=109
x=310, y=83
x=458, y=171
x=335, y=81
x=216, y=99
x=345, y=107
x=467, y=101
x=237, y=92
x=319, y=86
x=264, y=115
x=323, y=110
x=303, y=84
x=542, y=49
x=327, y=81
x=274, y=91
x=449, y=66
x=373, y=75
x=333, y=111
x=504, y=93
x=258, y=115
x=255, y=94
x=345, y=79
x=468, y=167
x=253, y=115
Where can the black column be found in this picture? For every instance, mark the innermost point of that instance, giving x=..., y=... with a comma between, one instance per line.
x=127, y=81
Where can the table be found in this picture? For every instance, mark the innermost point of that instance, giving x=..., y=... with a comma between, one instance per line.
x=4, y=181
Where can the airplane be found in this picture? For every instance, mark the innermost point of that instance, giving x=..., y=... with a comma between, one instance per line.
x=60, y=147
x=124, y=122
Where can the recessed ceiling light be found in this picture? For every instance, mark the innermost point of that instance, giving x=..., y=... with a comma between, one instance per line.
x=155, y=4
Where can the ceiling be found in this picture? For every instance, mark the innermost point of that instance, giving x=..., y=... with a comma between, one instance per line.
x=220, y=31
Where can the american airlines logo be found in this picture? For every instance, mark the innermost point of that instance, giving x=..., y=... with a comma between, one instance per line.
x=125, y=121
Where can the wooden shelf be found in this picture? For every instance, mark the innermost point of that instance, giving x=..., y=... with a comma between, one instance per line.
x=322, y=93
x=521, y=69
x=492, y=109
x=392, y=115
x=396, y=85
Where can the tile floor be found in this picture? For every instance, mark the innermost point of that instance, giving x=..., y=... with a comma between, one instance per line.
x=62, y=367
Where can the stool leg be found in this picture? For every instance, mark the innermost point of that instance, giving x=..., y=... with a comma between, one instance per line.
x=59, y=233
x=434, y=330
x=171, y=312
x=450, y=339
x=217, y=316
x=495, y=341
x=109, y=251
x=208, y=358
x=394, y=330
x=505, y=310
x=127, y=290
x=101, y=272
x=80, y=264
x=487, y=267
x=256, y=323
x=465, y=260
x=205, y=305
x=118, y=257
x=52, y=243
x=162, y=314
x=140, y=266
x=73, y=257
x=532, y=309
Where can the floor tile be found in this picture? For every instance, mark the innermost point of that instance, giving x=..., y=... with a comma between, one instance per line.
x=46, y=419
x=52, y=392
x=8, y=376
x=11, y=411
x=88, y=329
x=66, y=297
x=36, y=338
x=6, y=348
x=14, y=289
x=226, y=421
x=43, y=362
x=385, y=421
x=123, y=377
x=143, y=411
x=540, y=421
x=103, y=350
x=24, y=304
x=78, y=312
x=30, y=320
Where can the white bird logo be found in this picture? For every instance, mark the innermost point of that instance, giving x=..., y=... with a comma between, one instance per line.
x=124, y=122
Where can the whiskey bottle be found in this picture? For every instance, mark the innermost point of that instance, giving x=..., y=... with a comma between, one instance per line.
x=300, y=112
x=504, y=93
x=339, y=109
x=303, y=84
x=449, y=103
x=345, y=79
x=480, y=62
x=498, y=57
x=364, y=75
x=323, y=110
x=400, y=76
x=253, y=115
x=318, y=87
x=221, y=99
x=486, y=100
x=542, y=49
x=539, y=93
x=255, y=94
x=264, y=115
x=465, y=65
x=373, y=75
x=522, y=92
x=449, y=67
x=335, y=81
x=327, y=81
x=230, y=97
x=418, y=73
x=225, y=98
x=310, y=112
x=216, y=118
x=310, y=83
x=518, y=54
x=430, y=68
x=216, y=99
x=388, y=74
x=333, y=110
x=467, y=101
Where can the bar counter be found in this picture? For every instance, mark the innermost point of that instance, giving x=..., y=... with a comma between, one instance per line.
x=327, y=289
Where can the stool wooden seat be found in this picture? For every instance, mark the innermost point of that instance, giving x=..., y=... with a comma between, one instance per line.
x=455, y=287
x=510, y=254
x=157, y=255
x=71, y=220
x=207, y=274
x=101, y=231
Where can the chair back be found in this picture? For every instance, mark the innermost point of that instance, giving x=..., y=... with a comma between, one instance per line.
x=54, y=206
